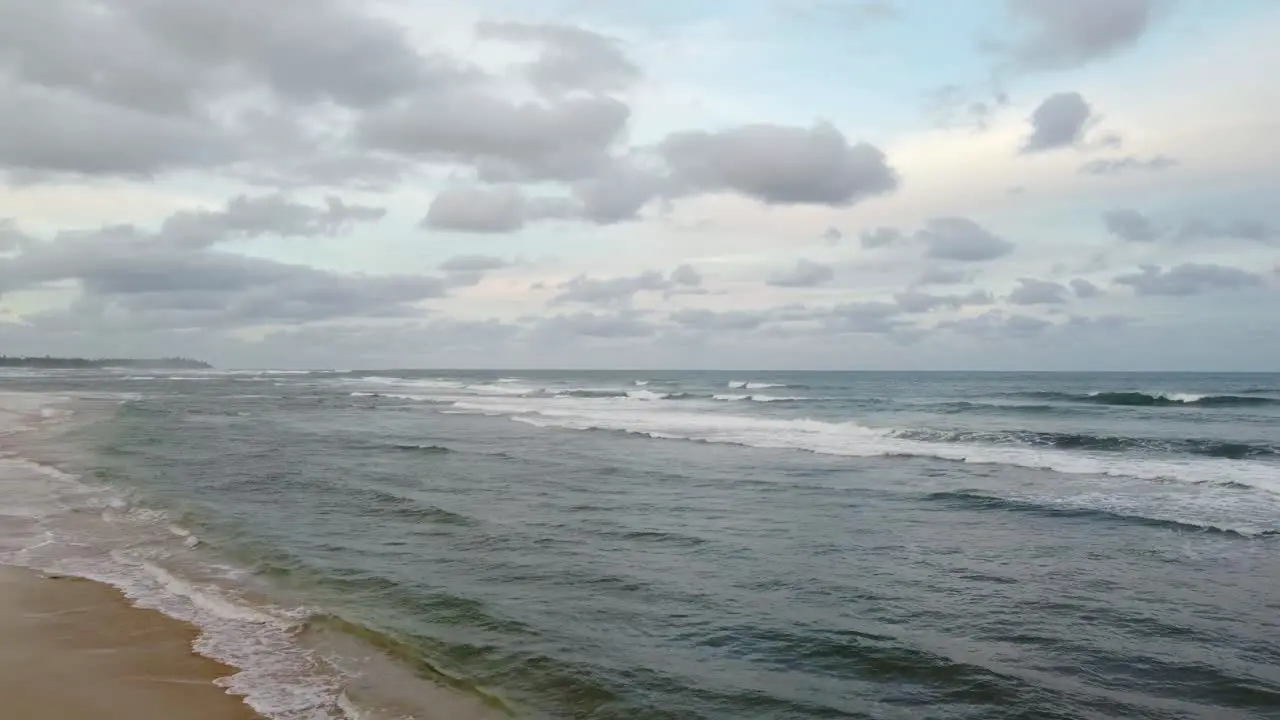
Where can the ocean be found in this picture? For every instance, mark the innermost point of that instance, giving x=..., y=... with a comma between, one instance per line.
x=649, y=545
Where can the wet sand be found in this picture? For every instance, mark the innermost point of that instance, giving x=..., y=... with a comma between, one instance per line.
x=73, y=649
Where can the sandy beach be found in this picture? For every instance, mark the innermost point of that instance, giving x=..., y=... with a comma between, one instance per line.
x=74, y=649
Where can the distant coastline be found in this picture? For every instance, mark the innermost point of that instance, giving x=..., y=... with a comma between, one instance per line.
x=57, y=363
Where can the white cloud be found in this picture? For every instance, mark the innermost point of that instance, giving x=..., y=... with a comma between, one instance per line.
x=159, y=181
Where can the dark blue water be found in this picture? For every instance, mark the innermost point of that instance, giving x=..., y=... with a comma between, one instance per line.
x=700, y=545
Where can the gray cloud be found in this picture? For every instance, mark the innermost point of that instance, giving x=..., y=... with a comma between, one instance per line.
x=473, y=263
x=1239, y=229
x=1070, y=34
x=687, y=276
x=832, y=235
x=778, y=164
x=610, y=291
x=43, y=130
x=563, y=139
x=492, y=210
x=950, y=106
x=1189, y=279
x=139, y=87
x=477, y=210
x=1085, y=289
x=332, y=52
x=952, y=238
x=1058, y=122
x=880, y=237
x=943, y=276
x=343, y=167
x=1133, y=226
x=995, y=324
x=276, y=214
x=1112, y=167
x=12, y=237
x=619, y=325
x=124, y=273
x=164, y=55
x=1130, y=225
x=1102, y=322
x=729, y=321
x=617, y=193
x=915, y=301
x=571, y=58
x=805, y=273
x=176, y=278
x=1033, y=291
x=864, y=317
x=341, y=96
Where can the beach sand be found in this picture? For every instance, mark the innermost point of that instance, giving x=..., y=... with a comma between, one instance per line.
x=74, y=649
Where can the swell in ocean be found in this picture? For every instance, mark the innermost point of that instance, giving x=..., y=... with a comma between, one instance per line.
x=1058, y=509
x=1097, y=443
x=1144, y=399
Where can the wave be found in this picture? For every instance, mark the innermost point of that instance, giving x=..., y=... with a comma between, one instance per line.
x=412, y=448
x=399, y=396
x=853, y=440
x=1161, y=399
x=404, y=382
x=964, y=406
x=429, y=449
x=1105, y=443
x=657, y=537
x=274, y=675
x=592, y=394
x=382, y=503
x=450, y=610
x=758, y=398
x=746, y=385
x=981, y=501
x=646, y=395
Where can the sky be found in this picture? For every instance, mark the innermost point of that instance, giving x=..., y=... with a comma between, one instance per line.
x=736, y=184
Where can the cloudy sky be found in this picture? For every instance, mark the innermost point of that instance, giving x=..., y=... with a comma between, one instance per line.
x=826, y=184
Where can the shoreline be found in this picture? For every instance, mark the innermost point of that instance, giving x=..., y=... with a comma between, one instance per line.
x=122, y=604
x=76, y=648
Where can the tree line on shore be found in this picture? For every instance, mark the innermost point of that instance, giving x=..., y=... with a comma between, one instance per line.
x=61, y=363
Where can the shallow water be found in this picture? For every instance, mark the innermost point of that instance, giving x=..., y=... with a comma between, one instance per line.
x=683, y=545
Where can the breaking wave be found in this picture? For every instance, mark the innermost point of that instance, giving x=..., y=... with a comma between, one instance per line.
x=1103, y=443
x=1141, y=399
x=854, y=440
x=980, y=501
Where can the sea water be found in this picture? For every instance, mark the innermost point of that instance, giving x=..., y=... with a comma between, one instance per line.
x=677, y=544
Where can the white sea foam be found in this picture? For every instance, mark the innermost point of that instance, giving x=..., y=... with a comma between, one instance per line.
x=1181, y=397
x=283, y=372
x=134, y=552
x=747, y=385
x=756, y=398
x=851, y=439
x=398, y=396
x=409, y=382
x=503, y=389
